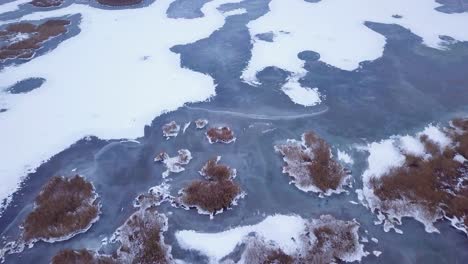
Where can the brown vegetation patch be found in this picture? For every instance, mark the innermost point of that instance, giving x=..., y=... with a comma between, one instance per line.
x=141, y=241
x=211, y=196
x=215, y=193
x=32, y=37
x=311, y=164
x=201, y=123
x=323, y=240
x=46, y=3
x=83, y=256
x=217, y=172
x=64, y=207
x=171, y=129
x=220, y=134
x=119, y=2
x=278, y=257
x=141, y=238
x=438, y=184
x=332, y=240
x=259, y=251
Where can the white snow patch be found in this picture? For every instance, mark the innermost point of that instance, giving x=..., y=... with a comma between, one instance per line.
x=377, y=253
x=234, y=12
x=459, y=158
x=412, y=145
x=344, y=157
x=115, y=93
x=218, y=245
x=437, y=136
x=383, y=156
x=186, y=126
x=301, y=95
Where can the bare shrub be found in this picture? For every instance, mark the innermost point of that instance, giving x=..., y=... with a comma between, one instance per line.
x=211, y=196
x=46, y=3
x=170, y=129
x=278, y=257
x=220, y=134
x=201, y=123
x=37, y=35
x=327, y=239
x=119, y=2
x=51, y=28
x=322, y=241
x=141, y=241
x=64, y=207
x=22, y=27
x=259, y=251
x=83, y=256
x=420, y=181
x=141, y=238
x=311, y=164
x=216, y=172
x=438, y=184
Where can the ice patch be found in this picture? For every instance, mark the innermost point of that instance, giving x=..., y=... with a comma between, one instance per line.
x=115, y=93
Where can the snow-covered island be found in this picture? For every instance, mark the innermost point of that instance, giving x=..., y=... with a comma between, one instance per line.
x=423, y=176
x=311, y=165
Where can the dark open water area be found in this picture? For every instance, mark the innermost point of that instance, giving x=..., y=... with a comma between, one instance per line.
x=410, y=86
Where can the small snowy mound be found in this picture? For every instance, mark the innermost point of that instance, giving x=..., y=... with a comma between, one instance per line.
x=170, y=129
x=174, y=164
x=220, y=134
x=201, y=123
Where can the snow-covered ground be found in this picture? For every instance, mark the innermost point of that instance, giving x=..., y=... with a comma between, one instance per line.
x=109, y=81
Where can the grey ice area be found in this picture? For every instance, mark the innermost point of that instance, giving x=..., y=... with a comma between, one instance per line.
x=453, y=6
x=26, y=85
x=268, y=36
x=188, y=9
